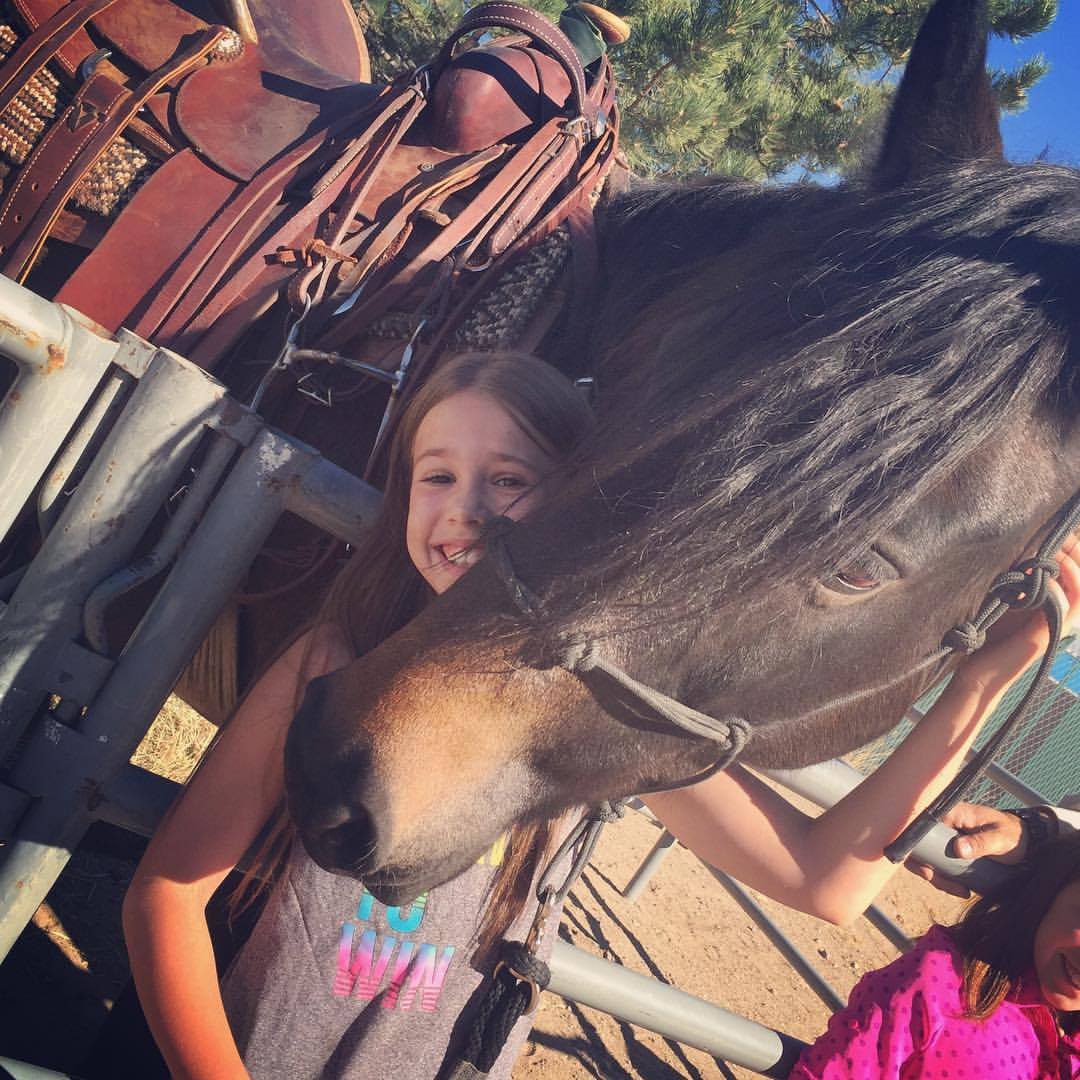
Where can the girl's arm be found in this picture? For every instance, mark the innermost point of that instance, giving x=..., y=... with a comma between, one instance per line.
x=832, y=866
x=201, y=839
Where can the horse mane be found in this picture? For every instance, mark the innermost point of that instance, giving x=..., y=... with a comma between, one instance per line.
x=800, y=366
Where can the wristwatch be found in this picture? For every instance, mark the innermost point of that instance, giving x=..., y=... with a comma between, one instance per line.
x=1040, y=826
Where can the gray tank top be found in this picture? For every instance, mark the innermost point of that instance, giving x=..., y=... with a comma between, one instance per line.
x=332, y=985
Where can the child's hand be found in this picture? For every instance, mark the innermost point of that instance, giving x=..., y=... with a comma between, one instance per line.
x=1020, y=638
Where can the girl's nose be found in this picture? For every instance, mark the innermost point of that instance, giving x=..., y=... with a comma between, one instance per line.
x=471, y=506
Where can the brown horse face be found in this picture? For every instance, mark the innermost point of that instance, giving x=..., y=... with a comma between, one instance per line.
x=403, y=767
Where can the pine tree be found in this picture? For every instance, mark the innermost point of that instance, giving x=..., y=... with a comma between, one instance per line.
x=741, y=87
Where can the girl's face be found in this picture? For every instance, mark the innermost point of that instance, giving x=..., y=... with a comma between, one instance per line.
x=1057, y=951
x=471, y=462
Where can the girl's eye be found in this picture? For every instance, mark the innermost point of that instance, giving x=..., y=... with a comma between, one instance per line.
x=437, y=478
x=511, y=482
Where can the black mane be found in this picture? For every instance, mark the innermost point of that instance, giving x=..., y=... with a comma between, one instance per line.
x=792, y=368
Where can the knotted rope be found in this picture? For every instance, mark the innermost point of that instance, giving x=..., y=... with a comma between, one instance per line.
x=1024, y=586
x=520, y=974
x=617, y=692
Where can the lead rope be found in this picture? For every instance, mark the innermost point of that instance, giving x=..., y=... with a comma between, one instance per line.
x=1024, y=586
x=520, y=975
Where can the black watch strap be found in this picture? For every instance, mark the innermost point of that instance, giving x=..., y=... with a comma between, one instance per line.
x=1040, y=826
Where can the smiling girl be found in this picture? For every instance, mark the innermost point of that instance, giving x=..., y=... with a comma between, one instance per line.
x=332, y=983
x=472, y=461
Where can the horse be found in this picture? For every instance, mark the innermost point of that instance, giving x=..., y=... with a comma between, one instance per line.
x=827, y=417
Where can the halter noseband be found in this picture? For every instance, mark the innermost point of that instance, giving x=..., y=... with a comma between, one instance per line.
x=617, y=693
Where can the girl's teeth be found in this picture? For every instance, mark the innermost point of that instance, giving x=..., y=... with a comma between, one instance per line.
x=467, y=557
x=1072, y=971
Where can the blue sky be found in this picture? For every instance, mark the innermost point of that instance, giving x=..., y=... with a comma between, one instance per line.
x=1052, y=118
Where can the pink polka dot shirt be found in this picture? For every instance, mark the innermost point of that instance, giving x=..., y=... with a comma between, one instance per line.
x=906, y=1022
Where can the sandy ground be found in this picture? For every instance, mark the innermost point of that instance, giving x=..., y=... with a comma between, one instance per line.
x=685, y=929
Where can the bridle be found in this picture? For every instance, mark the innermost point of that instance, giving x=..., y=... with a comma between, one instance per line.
x=620, y=695
x=520, y=974
x=1024, y=586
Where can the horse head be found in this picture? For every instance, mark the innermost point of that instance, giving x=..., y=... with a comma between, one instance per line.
x=828, y=418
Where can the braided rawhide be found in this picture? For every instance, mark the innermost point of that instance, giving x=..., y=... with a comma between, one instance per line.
x=113, y=180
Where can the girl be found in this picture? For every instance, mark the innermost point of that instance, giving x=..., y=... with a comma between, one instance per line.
x=996, y=995
x=333, y=985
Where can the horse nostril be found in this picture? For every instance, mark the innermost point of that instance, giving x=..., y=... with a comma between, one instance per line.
x=348, y=847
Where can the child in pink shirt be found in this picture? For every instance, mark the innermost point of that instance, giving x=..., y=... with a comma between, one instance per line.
x=995, y=996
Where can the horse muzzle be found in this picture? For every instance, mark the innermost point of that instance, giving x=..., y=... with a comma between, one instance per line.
x=325, y=783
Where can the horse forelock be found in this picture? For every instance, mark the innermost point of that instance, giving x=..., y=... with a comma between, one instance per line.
x=790, y=394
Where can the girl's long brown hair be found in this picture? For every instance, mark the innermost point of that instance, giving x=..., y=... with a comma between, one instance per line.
x=379, y=590
x=996, y=936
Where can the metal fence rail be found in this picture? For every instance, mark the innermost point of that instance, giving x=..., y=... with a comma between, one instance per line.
x=70, y=713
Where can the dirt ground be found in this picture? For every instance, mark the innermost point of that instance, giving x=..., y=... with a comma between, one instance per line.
x=66, y=971
x=687, y=931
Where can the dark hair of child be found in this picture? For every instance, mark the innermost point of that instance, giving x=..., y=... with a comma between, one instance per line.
x=996, y=935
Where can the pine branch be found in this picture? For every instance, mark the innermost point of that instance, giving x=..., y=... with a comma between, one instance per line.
x=447, y=24
x=651, y=84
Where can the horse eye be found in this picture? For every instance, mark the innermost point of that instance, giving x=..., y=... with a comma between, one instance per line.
x=852, y=581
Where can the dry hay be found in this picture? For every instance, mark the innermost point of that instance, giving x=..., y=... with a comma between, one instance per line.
x=175, y=742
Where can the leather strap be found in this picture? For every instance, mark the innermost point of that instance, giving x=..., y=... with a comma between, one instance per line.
x=548, y=179
x=256, y=277
x=43, y=45
x=590, y=176
x=73, y=51
x=524, y=158
x=50, y=164
x=242, y=220
x=445, y=182
x=231, y=230
x=511, y=16
x=445, y=178
x=123, y=272
x=308, y=286
x=553, y=173
x=102, y=126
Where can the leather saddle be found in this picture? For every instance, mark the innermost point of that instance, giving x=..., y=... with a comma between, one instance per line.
x=280, y=173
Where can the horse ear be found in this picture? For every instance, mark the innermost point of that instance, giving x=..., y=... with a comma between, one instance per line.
x=944, y=112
